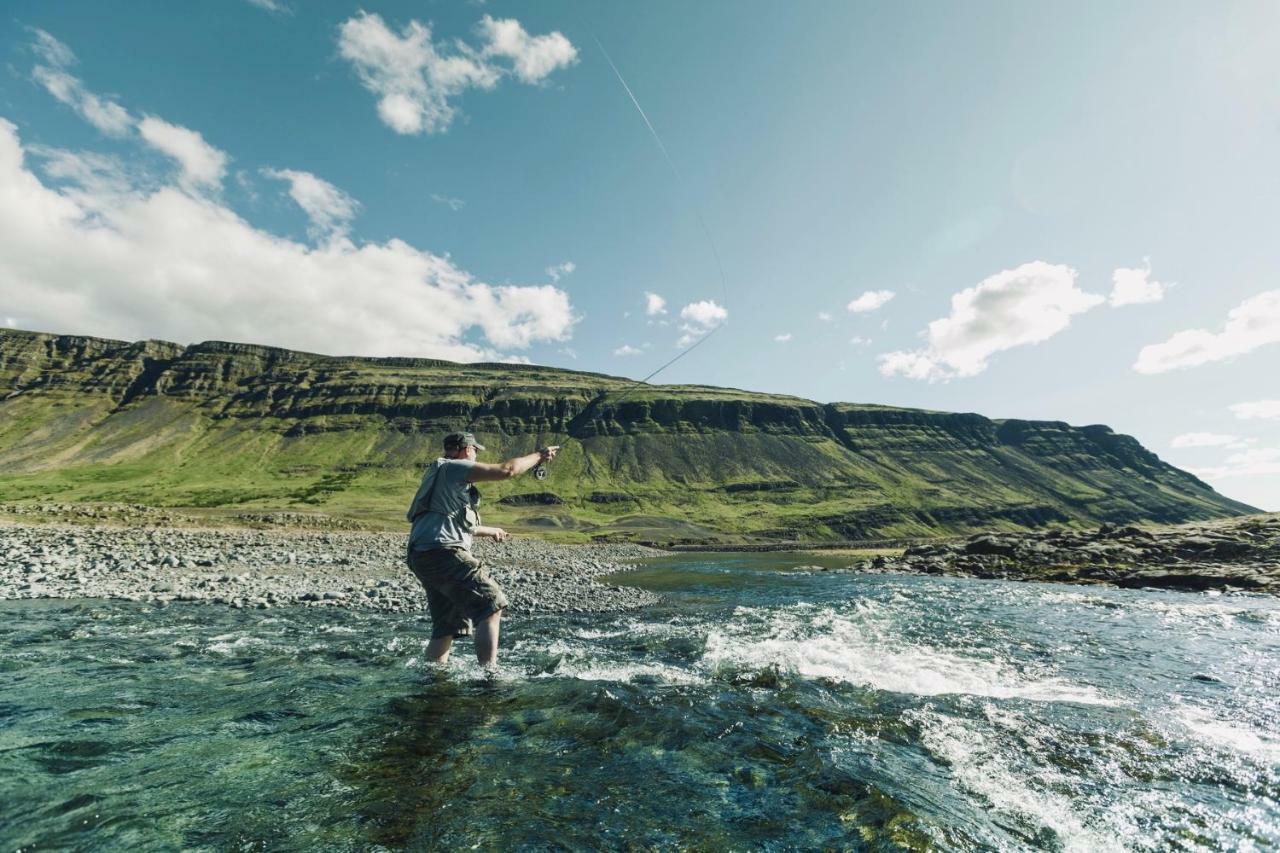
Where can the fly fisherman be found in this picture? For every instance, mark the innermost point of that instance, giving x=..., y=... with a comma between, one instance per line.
x=460, y=592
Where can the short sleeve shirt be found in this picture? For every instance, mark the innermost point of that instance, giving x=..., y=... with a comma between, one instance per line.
x=438, y=525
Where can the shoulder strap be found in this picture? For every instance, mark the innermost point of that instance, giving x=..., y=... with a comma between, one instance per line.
x=423, y=506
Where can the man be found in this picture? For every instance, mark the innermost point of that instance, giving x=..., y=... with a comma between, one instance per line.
x=460, y=593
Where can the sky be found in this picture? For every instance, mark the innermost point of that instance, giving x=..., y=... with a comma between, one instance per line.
x=1048, y=211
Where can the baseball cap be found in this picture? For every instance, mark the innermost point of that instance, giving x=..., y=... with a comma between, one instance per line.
x=457, y=440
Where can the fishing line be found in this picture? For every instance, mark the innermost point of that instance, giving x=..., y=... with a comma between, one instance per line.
x=697, y=212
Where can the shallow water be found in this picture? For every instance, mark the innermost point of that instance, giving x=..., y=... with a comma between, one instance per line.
x=760, y=708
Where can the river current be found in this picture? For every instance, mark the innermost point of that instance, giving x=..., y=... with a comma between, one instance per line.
x=759, y=707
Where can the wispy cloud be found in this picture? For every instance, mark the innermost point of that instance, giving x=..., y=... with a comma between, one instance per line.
x=1253, y=323
x=559, y=271
x=825, y=316
x=202, y=166
x=783, y=338
x=415, y=78
x=51, y=73
x=329, y=208
x=1257, y=409
x=1012, y=308
x=1254, y=462
x=870, y=301
x=276, y=7
x=628, y=350
x=1133, y=286
x=1206, y=439
x=451, y=203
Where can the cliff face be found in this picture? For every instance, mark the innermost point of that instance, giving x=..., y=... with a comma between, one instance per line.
x=221, y=424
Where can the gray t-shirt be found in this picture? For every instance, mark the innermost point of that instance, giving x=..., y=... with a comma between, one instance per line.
x=438, y=525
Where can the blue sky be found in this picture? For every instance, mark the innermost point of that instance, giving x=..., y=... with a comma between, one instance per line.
x=1022, y=210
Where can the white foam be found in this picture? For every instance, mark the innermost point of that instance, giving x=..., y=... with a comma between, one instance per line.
x=980, y=765
x=1237, y=737
x=864, y=649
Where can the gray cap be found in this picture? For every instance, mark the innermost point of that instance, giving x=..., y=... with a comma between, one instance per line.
x=459, y=440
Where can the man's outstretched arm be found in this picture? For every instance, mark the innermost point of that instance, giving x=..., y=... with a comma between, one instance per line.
x=482, y=472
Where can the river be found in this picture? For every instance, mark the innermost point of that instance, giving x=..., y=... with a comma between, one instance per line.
x=760, y=706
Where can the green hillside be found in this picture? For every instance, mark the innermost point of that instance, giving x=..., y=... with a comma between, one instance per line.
x=243, y=427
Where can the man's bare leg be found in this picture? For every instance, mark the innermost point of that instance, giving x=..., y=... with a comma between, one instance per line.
x=438, y=649
x=487, y=639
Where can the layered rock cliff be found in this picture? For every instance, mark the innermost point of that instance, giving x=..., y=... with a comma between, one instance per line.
x=235, y=425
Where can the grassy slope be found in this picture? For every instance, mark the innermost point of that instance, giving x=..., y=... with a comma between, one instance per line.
x=249, y=428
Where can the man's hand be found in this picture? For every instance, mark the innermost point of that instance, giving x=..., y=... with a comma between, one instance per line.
x=495, y=533
x=548, y=453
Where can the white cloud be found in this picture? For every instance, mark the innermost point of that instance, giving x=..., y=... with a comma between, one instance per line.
x=859, y=341
x=533, y=57
x=274, y=6
x=451, y=203
x=329, y=208
x=1248, y=463
x=654, y=304
x=559, y=271
x=1203, y=439
x=1260, y=409
x=1252, y=324
x=203, y=166
x=627, y=349
x=825, y=316
x=1134, y=287
x=1012, y=308
x=870, y=301
x=783, y=338
x=106, y=115
x=699, y=319
x=159, y=262
x=415, y=78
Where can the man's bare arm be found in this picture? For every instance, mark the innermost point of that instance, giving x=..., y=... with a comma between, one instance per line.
x=482, y=472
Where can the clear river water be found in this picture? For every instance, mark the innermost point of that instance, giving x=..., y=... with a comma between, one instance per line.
x=760, y=707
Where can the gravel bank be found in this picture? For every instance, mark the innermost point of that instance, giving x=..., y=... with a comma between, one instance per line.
x=269, y=568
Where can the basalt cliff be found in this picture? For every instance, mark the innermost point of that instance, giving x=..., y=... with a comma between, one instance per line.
x=244, y=428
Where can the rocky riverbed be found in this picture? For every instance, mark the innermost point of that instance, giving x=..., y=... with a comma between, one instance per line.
x=1240, y=553
x=268, y=568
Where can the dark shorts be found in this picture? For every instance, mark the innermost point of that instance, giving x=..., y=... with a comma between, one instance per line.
x=459, y=590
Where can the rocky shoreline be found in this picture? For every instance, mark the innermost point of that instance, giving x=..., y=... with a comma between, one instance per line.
x=271, y=568
x=1235, y=554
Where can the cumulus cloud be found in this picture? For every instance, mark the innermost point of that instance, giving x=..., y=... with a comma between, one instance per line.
x=533, y=58
x=1252, y=324
x=1134, y=286
x=51, y=73
x=654, y=304
x=202, y=165
x=1017, y=307
x=700, y=318
x=559, y=271
x=154, y=261
x=1204, y=439
x=627, y=350
x=415, y=78
x=870, y=301
x=859, y=341
x=825, y=316
x=329, y=208
x=782, y=338
x=1257, y=409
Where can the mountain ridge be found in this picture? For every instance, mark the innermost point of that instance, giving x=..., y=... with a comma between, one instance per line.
x=165, y=424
